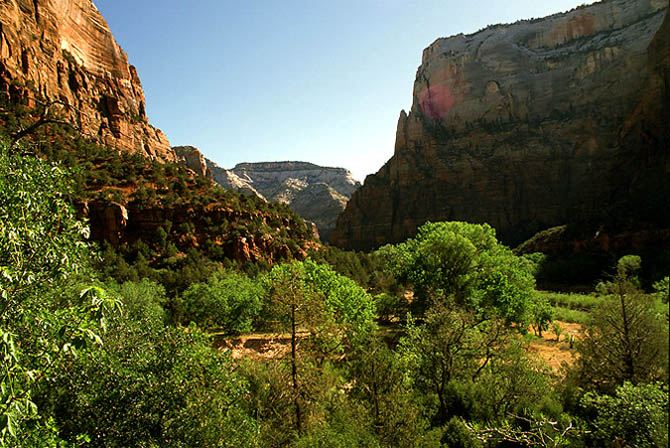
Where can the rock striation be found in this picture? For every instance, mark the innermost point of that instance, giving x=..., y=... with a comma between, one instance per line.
x=231, y=181
x=318, y=194
x=63, y=51
x=528, y=126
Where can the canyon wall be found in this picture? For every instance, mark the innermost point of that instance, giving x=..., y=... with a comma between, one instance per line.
x=318, y=194
x=63, y=51
x=528, y=126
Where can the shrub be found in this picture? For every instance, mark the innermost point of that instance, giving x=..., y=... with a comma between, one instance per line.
x=229, y=301
x=634, y=416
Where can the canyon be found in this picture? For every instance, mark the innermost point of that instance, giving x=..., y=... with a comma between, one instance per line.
x=318, y=194
x=530, y=125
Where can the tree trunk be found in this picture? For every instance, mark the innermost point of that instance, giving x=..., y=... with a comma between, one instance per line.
x=294, y=373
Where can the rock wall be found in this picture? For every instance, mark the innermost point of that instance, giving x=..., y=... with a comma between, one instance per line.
x=231, y=181
x=63, y=50
x=318, y=194
x=528, y=126
x=193, y=159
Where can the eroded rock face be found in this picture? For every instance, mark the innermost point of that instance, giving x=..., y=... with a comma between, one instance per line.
x=63, y=50
x=318, y=194
x=231, y=181
x=120, y=224
x=528, y=126
x=193, y=159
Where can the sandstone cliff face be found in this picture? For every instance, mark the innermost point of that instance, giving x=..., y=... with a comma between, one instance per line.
x=231, y=181
x=63, y=50
x=193, y=159
x=318, y=194
x=267, y=176
x=528, y=126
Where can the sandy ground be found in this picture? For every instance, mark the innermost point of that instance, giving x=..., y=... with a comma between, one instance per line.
x=269, y=346
x=554, y=353
x=257, y=345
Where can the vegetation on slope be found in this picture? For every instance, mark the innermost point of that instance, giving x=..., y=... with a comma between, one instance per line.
x=160, y=220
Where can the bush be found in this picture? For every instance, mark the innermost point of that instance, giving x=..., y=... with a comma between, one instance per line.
x=635, y=416
x=152, y=387
x=229, y=301
x=142, y=301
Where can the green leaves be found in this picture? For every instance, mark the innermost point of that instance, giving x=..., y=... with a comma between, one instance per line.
x=101, y=305
x=41, y=241
x=463, y=263
x=321, y=290
x=229, y=301
x=636, y=415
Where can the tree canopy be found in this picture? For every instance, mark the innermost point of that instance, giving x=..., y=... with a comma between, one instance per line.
x=465, y=264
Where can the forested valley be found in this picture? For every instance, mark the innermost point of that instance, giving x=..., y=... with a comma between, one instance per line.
x=166, y=340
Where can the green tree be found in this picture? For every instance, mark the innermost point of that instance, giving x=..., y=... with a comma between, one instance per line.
x=322, y=312
x=229, y=301
x=42, y=253
x=626, y=340
x=463, y=263
x=636, y=415
x=294, y=305
x=541, y=313
x=451, y=344
x=152, y=385
x=382, y=381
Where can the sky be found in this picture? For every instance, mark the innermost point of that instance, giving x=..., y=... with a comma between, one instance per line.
x=321, y=81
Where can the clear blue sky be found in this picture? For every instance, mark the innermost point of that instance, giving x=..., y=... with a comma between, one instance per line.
x=313, y=80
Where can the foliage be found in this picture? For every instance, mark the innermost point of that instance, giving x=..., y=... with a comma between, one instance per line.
x=44, y=323
x=541, y=313
x=151, y=385
x=450, y=344
x=464, y=263
x=391, y=307
x=268, y=382
x=381, y=381
x=636, y=415
x=349, y=304
x=142, y=301
x=580, y=302
x=662, y=288
x=41, y=241
x=626, y=340
x=366, y=269
x=229, y=301
x=329, y=297
x=570, y=315
x=305, y=297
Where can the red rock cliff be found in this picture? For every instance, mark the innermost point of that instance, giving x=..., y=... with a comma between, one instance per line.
x=65, y=51
x=529, y=126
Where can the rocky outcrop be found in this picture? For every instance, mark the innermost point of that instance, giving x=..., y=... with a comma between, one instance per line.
x=127, y=223
x=231, y=181
x=529, y=126
x=193, y=159
x=267, y=176
x=318, y=194
x=63, y=51
x=318, y=203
